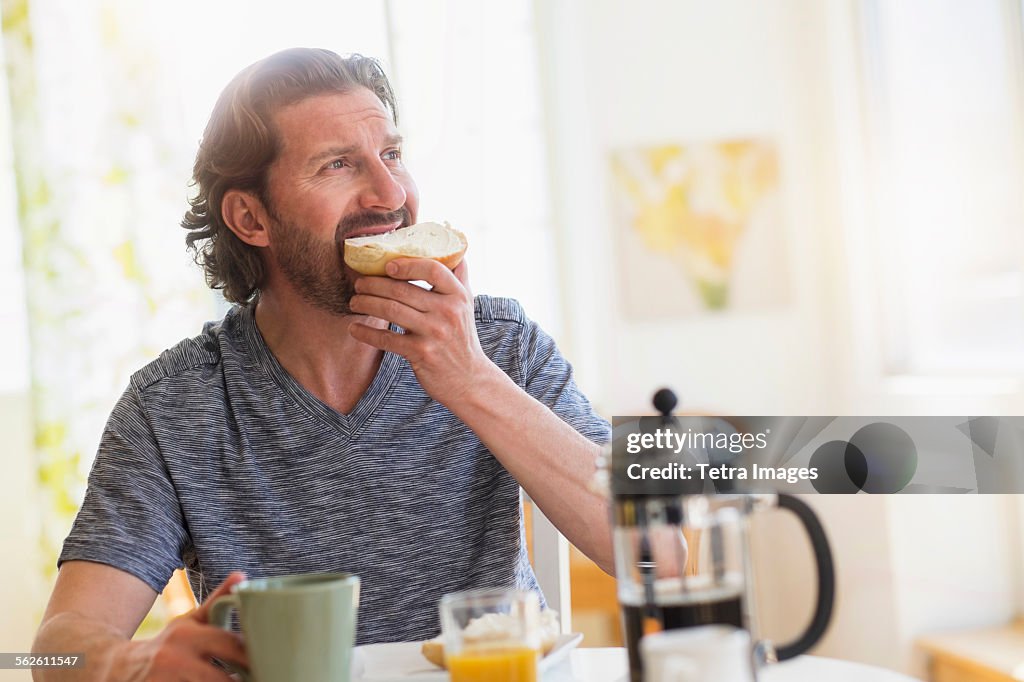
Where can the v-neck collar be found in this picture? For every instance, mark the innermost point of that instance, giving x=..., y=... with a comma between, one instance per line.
x=348, y=425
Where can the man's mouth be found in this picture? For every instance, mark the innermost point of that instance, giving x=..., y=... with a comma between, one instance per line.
x=375, y=230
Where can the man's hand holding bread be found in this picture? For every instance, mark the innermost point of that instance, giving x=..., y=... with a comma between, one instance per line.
x=440, y=341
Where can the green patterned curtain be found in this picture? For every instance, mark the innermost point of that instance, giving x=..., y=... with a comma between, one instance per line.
x=101, y=164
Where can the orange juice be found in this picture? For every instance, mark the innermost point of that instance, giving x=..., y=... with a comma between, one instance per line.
x=494, y=665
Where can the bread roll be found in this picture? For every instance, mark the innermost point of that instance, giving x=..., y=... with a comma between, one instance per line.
x=440, y=242
x=433, y=651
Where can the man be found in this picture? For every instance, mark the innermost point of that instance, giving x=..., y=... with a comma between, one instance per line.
x=329, y=422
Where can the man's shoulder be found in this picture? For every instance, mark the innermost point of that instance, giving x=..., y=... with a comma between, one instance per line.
x=499, y=310
x=196, y=355
x=507, y=335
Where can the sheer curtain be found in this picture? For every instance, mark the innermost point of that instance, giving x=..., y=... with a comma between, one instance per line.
x=108, y=99
x=99, y=169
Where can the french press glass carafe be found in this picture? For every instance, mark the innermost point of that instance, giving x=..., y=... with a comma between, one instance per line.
x=682, y=557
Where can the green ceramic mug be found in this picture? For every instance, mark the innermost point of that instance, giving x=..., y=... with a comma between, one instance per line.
x=298, y=627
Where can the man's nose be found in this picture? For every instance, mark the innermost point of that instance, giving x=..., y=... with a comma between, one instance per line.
x=382, y=190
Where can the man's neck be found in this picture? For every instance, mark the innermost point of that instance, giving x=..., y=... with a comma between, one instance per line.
x=315, y=348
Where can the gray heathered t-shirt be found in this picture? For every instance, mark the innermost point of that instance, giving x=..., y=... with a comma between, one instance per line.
x=216, y=459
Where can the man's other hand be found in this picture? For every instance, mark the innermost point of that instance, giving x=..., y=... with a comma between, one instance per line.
x=184, y=649
x=95, y=609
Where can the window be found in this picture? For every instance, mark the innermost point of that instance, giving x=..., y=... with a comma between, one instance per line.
x=14, y=339
x=469, y=96
x=945, y=127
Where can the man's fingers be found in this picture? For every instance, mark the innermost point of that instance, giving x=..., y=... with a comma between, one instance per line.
x=427, y=270
x=385, y=287
x=195, y=670
x=202, y=614
x=384, y=339
x=187, y=645
x=387, y=309
x=461, y=273
x=217, y=643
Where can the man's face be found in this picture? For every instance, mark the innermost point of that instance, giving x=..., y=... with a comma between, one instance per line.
x=339, y=174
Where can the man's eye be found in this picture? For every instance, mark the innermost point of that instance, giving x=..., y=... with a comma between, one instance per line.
x=393, y=155
x=336, y=164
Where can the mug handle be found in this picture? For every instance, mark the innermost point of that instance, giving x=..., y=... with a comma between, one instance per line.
x=220, y=616
x=826, y=578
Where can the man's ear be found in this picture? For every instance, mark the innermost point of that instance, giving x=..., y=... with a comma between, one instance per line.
x=243, y=212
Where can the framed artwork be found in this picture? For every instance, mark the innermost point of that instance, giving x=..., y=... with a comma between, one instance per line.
x=698, y=228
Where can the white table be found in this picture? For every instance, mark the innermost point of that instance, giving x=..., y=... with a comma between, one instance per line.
x=611, y=665
x=402, y=662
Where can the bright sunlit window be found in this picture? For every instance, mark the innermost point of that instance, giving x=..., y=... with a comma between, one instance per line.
x=13, y=322
x=946, y=125
x=468, y=87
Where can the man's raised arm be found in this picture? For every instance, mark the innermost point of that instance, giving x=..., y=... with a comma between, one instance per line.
x=551, y=461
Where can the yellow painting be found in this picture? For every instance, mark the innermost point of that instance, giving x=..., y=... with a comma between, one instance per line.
x=699, y=228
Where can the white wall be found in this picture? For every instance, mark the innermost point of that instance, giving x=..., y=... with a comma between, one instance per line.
x=1019, y=535
x=906, y=565
x=622, y=74
x=953, y=564
x=865, y=589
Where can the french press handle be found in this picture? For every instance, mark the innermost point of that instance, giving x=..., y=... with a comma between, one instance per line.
x=826, y=578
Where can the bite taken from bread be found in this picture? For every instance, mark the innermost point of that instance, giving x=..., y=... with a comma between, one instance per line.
x=437, y=241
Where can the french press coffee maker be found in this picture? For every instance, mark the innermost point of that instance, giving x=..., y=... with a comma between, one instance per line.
x=682, y=555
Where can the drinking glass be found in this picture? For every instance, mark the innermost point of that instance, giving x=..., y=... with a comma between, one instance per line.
x=491, y=635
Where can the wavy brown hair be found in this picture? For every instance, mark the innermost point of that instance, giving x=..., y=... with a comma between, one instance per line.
x=241, y=142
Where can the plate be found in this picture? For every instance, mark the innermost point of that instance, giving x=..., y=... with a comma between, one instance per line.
x=400, y=661
x=564, y=644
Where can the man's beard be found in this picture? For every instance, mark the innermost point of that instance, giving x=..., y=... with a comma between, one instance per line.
x=316, y=268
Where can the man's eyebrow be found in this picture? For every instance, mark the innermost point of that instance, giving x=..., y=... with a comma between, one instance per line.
x=332, y=152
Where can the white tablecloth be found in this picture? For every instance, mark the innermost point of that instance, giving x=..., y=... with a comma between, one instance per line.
x=610, y=665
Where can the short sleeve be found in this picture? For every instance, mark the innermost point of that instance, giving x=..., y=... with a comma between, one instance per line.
x=548, y=377
x=131, y=518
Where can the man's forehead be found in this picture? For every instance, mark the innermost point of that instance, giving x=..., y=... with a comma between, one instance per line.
x=333, y=117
